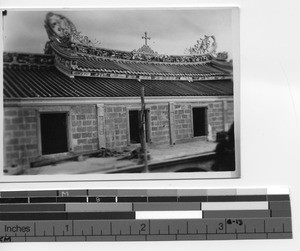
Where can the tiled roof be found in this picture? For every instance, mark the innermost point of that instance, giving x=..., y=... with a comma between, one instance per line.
x=49, y=82
x=97, y=64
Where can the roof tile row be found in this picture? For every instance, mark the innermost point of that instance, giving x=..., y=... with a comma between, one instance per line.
x=38, y=83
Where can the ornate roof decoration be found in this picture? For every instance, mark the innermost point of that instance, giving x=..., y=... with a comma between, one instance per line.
x=146, y=37
x=75, y=55
x=222, y=55
x=27, y=60
x=145, y=48
x=65, y=38
x=139, y=56
x=91, y=66
x=60, y=29
x=206, y=45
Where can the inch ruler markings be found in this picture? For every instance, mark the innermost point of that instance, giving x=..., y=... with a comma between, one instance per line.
x=145, y=215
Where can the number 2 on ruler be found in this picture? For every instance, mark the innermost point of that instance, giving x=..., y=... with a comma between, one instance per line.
x=143, y=227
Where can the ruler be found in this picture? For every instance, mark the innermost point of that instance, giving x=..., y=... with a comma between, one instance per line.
x=144, y=215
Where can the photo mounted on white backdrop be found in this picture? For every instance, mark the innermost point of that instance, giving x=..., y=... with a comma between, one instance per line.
x=109, y=94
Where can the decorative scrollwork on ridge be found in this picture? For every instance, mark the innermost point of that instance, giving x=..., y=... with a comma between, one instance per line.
x=64, y=35
x=27, y=59
x=63, y=61
x=222, y=55
x=171, y=77
x=139, y=56
x=63, y=31
x=145, y=49
x=206, y=45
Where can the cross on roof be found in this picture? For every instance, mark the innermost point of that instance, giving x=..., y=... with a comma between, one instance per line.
x=146, y=38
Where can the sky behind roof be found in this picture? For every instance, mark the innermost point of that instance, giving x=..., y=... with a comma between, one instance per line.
x=171, y=30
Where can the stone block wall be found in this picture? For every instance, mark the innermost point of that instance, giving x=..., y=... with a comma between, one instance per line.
x=183, y=122
x=183, y=119
x=107, y=125
x=216, y=117
x=20, y=137
x=84, y=128
x=115, y=126
x=159, y=123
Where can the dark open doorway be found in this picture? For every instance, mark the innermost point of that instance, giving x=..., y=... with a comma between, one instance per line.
x=199, y=121
x=54, y=133
x=134, y=126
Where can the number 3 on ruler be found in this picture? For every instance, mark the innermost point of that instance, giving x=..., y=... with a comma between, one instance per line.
x=221, y=226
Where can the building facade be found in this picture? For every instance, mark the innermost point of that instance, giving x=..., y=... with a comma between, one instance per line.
x=78, y=98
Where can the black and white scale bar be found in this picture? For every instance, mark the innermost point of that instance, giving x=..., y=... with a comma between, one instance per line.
x=115, y=215
x=158, y=199
x=145, y=215
x=127, y=230
x=150, y=195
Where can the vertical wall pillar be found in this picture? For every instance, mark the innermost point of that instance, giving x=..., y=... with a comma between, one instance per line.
x=101, y=126
x=225, y=115
x=171, y=123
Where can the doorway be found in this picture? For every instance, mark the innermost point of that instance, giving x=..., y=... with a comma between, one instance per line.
x=54, y=136
x=134, y=130
x=200, y=121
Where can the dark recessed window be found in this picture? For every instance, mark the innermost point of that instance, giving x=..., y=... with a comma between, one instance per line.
x=199, y=121
x=54, y=133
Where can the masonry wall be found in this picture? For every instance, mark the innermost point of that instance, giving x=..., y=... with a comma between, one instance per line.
x=159, y=124
x=84, y=128
x=115, y=126
x=91, y=127
x=20, y=138
x=183, y=121
x=216, y=118
x=21, y=133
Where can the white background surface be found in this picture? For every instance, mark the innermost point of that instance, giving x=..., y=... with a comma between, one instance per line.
x=270, y=120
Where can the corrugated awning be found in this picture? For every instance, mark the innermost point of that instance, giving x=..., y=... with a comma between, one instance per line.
x=49, y=82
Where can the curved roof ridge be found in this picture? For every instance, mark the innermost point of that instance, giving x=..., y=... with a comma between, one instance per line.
x=111, y=54
x=142, y=61
x=136, y=52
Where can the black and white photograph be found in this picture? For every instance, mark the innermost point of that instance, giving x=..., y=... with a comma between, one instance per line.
x=117, y=93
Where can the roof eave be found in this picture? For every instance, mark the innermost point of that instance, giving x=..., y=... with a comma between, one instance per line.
x=21, y=102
